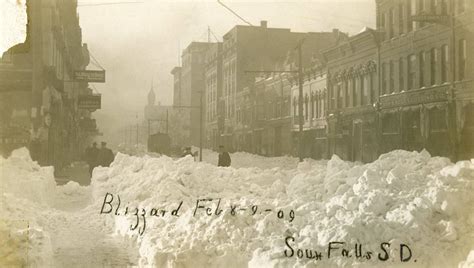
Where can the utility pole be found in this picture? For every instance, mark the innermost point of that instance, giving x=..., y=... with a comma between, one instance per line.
x=300, y=92
x=300, y=100
x=201, y=111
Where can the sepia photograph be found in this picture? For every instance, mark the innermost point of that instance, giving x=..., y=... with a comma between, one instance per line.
x=237, y=133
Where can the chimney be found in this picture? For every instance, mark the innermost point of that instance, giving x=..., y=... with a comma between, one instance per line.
x=263, y=23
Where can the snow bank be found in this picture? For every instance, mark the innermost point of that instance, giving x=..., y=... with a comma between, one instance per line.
x=402, y=198
x=27, y=192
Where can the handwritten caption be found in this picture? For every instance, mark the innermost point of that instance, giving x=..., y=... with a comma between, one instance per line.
x=202, y=207
x=342, y=249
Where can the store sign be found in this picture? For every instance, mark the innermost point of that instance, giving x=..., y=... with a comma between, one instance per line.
x=414, y=97
x=90, y=76
x=431, y=18
x=88, y=125
x=89, y=102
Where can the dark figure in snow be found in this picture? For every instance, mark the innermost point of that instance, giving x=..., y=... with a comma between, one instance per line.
x=92, y=154
x=187, y=151
x=105, y=156
x=224, y=157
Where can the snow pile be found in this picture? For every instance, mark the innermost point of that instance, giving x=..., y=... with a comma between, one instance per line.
x=243, y=159
x=402, y=198
x=27, y=191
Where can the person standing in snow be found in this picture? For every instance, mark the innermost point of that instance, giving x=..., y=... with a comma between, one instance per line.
x=105, y=156
x=187, y=151
x=224, y=157
x=91, y=157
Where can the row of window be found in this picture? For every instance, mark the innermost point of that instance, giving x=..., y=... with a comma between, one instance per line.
x=427, y=68
x=353, y=92
x=313, y=106
x=405, y=9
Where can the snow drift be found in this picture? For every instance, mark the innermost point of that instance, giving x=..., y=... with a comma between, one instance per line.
x=403, y=197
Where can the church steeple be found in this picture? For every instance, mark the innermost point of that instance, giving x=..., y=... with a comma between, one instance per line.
x=151, y=96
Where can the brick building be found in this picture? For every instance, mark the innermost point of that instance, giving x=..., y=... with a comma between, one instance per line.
x=257, y=48
x=38, y=93
x=213, y=76
x=426, y=87
x=190, y=86
x=315, y=127
x=352, y=92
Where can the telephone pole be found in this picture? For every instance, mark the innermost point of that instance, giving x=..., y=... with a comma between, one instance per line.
x=300, y=93
x=300, y=100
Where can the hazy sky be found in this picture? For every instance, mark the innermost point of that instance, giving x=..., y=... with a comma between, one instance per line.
x=138, y=43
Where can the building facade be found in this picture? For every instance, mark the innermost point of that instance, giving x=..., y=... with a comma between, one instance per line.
x=38, y=93
x=213, y=94
x=191, y=92
x=247, y=49
x=352, y=92
x=426, y=88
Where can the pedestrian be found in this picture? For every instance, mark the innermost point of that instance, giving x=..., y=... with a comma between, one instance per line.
x=92, y=154
x=187, y=151
x=224, y=157
x=105, y=156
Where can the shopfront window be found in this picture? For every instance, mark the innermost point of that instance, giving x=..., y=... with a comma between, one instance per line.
x=444, y=63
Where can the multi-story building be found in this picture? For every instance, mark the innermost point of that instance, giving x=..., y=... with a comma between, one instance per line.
x=314, y=113
x=177, y=97
x=191, y=90
x=352, y=85
x=38, y=92
x=213, y=76
x=426, y=87
x=259, y=48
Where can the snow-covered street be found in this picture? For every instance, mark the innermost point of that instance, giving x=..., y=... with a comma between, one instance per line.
x=271, y=207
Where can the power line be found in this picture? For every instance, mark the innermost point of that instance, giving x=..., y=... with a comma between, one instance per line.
x=233, y=12
x=107, y=4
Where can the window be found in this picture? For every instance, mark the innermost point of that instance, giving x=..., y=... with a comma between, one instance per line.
x=372, y=87
x=409, y=21
x=332, y=103
x=356, y=97
x=306, y=106
x=390, y=124
x=433, y=65
x=391, y=77
x=384, y=78
x=401, y=75
x=462, y=59
x=444, y=63
x=348, y=92
x=354, y=89
x=413, y=12
x=433, y=6
x=461, y=6
x=401, y=18
x=411, y=71
x=294, y=106
x=444, y=7
x=312, y=104
x=438, y=120
x=391, y=22
x=382, y=22
x=422, y=68
x=421, y=9
x=339, y=95
x=365, y=89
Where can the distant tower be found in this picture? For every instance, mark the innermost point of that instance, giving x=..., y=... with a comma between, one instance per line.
x=151, y=96
x=150, y=107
